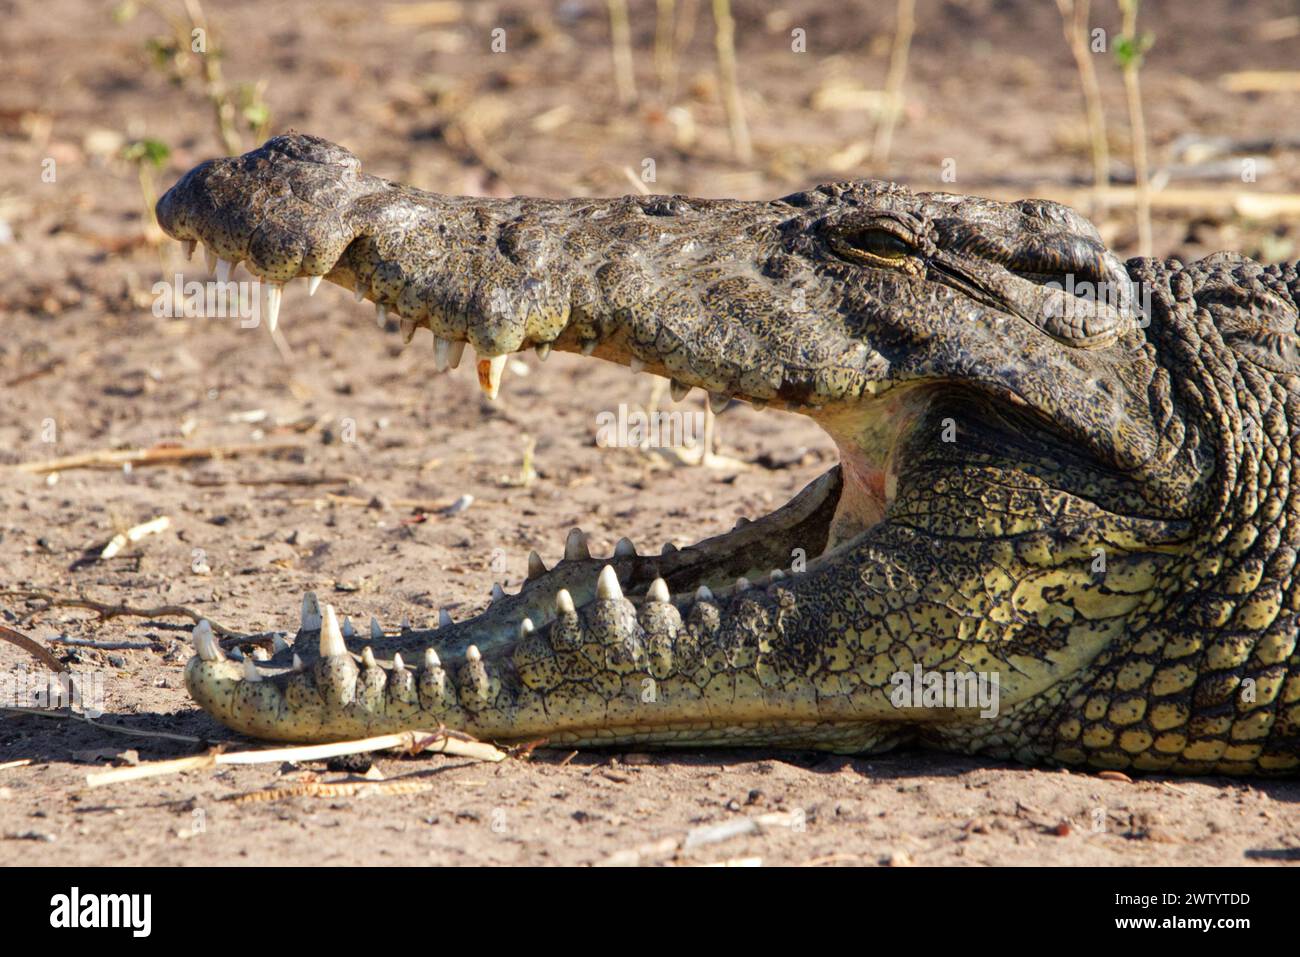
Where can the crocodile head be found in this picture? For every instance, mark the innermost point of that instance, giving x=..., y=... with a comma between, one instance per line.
x=1035, y=544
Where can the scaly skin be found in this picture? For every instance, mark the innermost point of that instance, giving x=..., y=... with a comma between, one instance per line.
x=1089, y=500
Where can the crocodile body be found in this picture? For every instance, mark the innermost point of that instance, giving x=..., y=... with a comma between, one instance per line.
x=1064, y=486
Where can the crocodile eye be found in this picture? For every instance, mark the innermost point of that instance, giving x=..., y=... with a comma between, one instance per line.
x=882, y=243
x=872, y=245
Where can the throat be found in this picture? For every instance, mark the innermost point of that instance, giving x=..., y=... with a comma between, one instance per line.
x=863, y=499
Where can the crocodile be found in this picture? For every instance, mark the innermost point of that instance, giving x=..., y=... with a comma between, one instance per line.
x=1061, y=530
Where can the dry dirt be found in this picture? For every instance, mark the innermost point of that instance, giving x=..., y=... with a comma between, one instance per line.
x=85, y=366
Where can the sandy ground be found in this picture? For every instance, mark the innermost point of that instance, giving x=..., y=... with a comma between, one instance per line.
x=85, y=366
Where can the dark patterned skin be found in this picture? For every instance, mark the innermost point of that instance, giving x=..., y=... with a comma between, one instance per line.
x=1063, y=478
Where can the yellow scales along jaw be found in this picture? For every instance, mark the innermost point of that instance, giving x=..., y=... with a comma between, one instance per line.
x=1061, y=529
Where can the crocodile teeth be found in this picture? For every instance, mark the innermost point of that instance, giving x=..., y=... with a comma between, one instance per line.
x=408, y=331
x=718, y=401
x=297, y=663
x=406, y=623
x=543, y=349
x=742, y=583
x=359, y=292
x=278, y=644
x=607, y=584
x=274, y=291
x=658, y=591
x=237, y=654
x=431, y=659
x=250, y=670
x=375, y=631
x=331, y=639
x=489, y=374
x=367, y=657
x=454, y=353
x=210, y=257
x=381, y=315
x=575, y=546
x=624, y=548
x=473, y=654
x=636, y=365
x=313, y=283
x=564, y=602
x=188, y=245
x=775, y=573
x=526, y=627
x=703, y=594
x=668, y=548
x=680, y=390
x=740, y=523
x=588, y=346
x=348, y=630
x=310, y=613
x=223, y=270
x=205, y=644
x=398, y=664
x=440, y=349
x=497, y=592
x=536, y=567
x=444, y=618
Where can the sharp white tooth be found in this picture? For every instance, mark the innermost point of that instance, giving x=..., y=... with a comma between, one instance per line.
x=278, y=644
x=703, y=594
x=607, y=584
x=526, y=627
x=381, y=315
x=497, y=592
x=359, y=292
x=624, y=548
x=575, y=546
x=680, y=390
x=431, y=659
x=408, y=331
x=201, y=631
x=473, y=654
x=454, y=353
x=274, y=292
x=489, y=374
x=536, y=567
x=398, y=663
x=188, y=245
x=444, y=618
x=440, y=349
x=543, y=349
x=718, y=401
x=223, y=270
x=563, y=602
x=636, y=365
x=742, y=583
x=588, y=346
x=210, y=257
x=375, y=631
x=297, y=663
x=367, y=657
x=237, y=653
x=313, y=283
x=775, y=573
x=658, y=591
x=310, y=613
x=250, y=671
x=406, y=623
x=348, y=630
x=331, y=638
